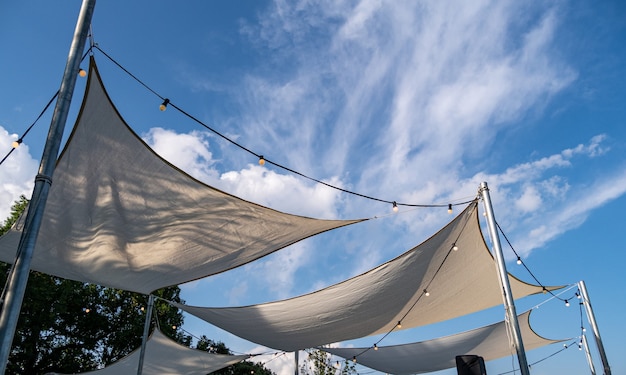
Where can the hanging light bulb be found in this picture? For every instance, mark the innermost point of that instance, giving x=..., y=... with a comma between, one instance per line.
x=584, y=329
x=174, y=327
x=544, y=290
x=519, y=260
x=375, y=347
x=449, y=208
x=567, y=303
x=17, y=143
x=354, y=359
x=426, y=293
x=163, y=105
x=82, y=72
x=578, y=295
x=261, y=160
x=142, y=308
x=455, y=247
x=395, y=207
x=87, y=310
x=399, y=325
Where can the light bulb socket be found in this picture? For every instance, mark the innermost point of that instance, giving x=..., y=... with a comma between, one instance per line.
x=163, y=105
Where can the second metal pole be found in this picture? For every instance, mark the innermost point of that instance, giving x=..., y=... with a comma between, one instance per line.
x=146, y=332
x=507, y=296
x=596, y=332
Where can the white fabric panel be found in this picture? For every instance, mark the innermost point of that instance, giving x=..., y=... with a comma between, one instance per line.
x=164, y=356
x=119, y=215
x=490, y=342
x=375, y=301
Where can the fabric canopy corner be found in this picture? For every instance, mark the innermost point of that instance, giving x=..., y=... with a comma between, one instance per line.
x=459, y=282
x=119, y=215
x=490, y=342
x=164, y=356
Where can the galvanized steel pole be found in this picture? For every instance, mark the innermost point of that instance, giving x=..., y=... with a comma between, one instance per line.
x=507, y=296
x=19, y=276
x=596, y=332
x=146, y=331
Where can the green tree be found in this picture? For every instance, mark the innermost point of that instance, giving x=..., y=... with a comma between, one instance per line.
x=241, y=368
x=319, y=362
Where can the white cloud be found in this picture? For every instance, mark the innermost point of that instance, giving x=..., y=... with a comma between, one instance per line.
x=17, y=174
x=189, y=152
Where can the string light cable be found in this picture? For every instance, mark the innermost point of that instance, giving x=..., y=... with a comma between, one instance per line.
x=425, y=293
x=565, y=347
x=522, y=263
x=20, y=140
x=166, y=103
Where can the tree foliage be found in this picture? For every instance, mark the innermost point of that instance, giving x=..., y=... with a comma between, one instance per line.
x=319, y=362
x=68, y=326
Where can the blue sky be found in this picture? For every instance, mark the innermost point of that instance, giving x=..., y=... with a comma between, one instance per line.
x=416, y=102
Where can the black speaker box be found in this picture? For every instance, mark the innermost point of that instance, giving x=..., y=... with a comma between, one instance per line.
x=470, y=365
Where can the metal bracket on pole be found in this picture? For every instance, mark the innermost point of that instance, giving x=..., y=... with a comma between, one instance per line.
x=19, y=278
x=507, y=296
x=596, y=332
x=146, y=332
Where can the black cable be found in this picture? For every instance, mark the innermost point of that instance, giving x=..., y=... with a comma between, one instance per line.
x=543, y=359
x=259, y=156
x=529, y=271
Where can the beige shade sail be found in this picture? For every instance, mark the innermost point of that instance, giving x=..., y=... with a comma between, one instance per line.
x=458, y=282
x=119, y=215
x=164, y=356
x=490, y=342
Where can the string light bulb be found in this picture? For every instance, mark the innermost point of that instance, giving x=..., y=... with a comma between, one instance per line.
x=354, y=359
x=426, y=293
x=17, y=143
x=567, y=303
x=544, y=291
x=449, y=208
x=399, y=325
x=395, y=207
x=455, y=247
x=82, y=72
x=261, y=160
x=519, y=260
x=375, y=347
x=142, y=308
x=87, y=310
x=174, y=327
x=578, y=295
x=163, y=105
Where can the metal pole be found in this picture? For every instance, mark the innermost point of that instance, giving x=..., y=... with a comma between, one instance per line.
x=588, y=355
x=146, y=332
x=507, y=296
x=297, y=360
x=592, y=320
x=19, y=277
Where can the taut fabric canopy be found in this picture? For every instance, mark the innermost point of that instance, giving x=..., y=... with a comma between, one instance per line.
x=458, y=282
x=490, y=342
x=119, y=215
x=164, y=356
